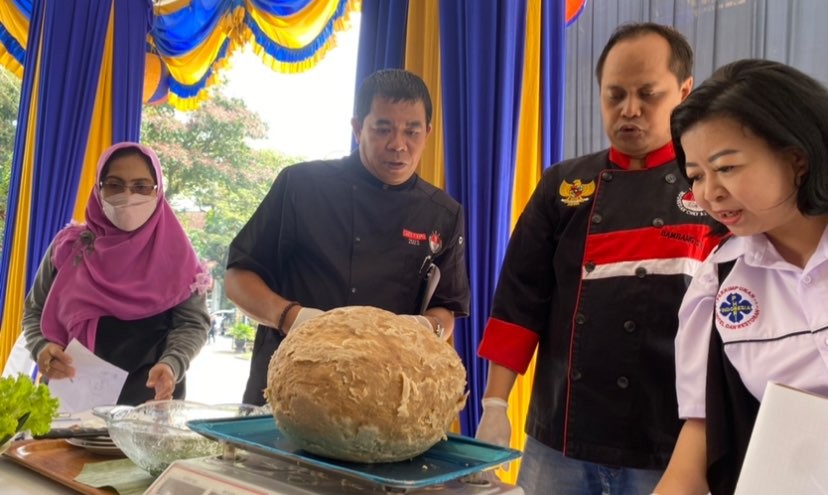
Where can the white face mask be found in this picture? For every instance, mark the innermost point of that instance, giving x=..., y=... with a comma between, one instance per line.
x=128, y=211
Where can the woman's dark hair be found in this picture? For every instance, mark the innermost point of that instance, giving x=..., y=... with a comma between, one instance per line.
x=128, y=151
x=395, y=85
x=783, y=106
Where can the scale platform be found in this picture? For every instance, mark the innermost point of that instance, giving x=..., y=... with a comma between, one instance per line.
x=273, y=464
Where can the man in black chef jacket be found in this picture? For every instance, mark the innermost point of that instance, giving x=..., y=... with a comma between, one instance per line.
x=363, y=230
x=593, y=278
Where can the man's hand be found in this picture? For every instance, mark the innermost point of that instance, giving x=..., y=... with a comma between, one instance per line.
x=53, y=363
x=161, y=378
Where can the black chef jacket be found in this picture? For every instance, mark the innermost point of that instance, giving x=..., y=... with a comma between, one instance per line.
x=329, y=234
x=593, y=277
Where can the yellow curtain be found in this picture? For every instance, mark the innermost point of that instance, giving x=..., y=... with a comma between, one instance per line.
x=527, y=175
x=422, y=57
x=10, y=327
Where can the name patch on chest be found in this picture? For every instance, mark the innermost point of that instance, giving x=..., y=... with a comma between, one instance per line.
x=414, y=238
x=736, y=308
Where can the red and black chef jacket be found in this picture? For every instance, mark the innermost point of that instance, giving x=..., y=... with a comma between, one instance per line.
x=593, y=277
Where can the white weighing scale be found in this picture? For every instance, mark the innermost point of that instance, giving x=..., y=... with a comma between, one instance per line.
x=257, y=459
x=257, y=474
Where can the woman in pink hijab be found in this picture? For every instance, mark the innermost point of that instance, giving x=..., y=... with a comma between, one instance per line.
x=127, y=284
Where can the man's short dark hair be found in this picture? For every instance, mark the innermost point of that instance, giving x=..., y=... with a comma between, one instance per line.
x=781, y=105
x=395, y=85
x=681, y=55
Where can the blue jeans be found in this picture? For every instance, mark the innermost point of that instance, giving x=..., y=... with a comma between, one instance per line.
x=545, y=471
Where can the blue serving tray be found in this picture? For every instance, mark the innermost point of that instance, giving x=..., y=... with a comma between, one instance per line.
x=449, y=459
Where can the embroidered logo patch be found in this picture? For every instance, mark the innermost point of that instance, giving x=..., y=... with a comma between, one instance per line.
x=576, y=193
x=414, y=238
x=434, y=241
x=686, y=202
x=736, y=308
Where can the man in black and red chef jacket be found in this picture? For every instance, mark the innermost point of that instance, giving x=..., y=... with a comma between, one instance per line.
x=363, y=230
x=593, y=277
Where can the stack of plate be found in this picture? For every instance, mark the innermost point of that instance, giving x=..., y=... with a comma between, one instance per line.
x=102, y=445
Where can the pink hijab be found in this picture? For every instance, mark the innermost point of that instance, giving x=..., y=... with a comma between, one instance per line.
x=104, y=271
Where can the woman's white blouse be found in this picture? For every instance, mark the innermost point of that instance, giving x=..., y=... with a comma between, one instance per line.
x=772, y=317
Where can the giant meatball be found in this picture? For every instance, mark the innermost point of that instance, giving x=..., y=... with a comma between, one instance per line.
x=365, y=385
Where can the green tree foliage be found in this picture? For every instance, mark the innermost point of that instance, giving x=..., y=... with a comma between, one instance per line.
x=9, y=102
x=214, y=177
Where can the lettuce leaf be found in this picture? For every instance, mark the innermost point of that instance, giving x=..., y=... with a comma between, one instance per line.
x=25, y=406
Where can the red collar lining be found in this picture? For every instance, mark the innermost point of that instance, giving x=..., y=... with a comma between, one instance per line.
x=655, y=158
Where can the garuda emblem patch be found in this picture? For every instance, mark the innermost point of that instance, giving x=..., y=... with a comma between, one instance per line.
x=577, y=192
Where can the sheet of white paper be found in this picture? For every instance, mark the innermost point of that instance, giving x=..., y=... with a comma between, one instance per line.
x=96, y=382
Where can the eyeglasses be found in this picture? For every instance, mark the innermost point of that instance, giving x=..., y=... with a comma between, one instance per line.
x=111, y=188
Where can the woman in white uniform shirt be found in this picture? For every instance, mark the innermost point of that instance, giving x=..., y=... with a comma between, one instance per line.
x=752, y=139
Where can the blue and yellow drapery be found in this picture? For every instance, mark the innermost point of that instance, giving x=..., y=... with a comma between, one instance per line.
x=79, y=93
x=195, y=38
x=82, y=90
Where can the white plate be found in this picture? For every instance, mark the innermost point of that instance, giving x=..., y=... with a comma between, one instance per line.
x=95, y=441
x=95, y=446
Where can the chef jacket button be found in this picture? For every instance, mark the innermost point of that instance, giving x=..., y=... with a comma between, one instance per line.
x=589, y=266
x=670, y=178
x=357, y=239
x=597, y=218
x=576, y=375
x=629, y=326
x=640, y=272
x=353, y=290
x=622, y=382
x=606, y=176
x=658, y=223
x=580, y=318
x=806, y=279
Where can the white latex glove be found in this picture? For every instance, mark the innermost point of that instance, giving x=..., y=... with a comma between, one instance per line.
x=420, y=320
x=304, y=315
x=425, y=322
x=494, y=426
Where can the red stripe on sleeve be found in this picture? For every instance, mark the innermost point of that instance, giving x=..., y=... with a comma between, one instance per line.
x=675, y=241
x=508, y=345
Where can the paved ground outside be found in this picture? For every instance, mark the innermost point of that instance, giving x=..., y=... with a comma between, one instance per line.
x=218, y=374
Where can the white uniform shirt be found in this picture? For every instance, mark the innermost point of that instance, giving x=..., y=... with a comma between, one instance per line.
x=772, y=317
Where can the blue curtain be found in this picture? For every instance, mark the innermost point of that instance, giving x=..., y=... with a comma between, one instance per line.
x=381, y=38
x=553, y=79
x=133, y=21
x=72, y=43
x=481, y=62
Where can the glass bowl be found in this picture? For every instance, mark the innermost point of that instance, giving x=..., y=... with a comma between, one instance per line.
x=155, y=434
